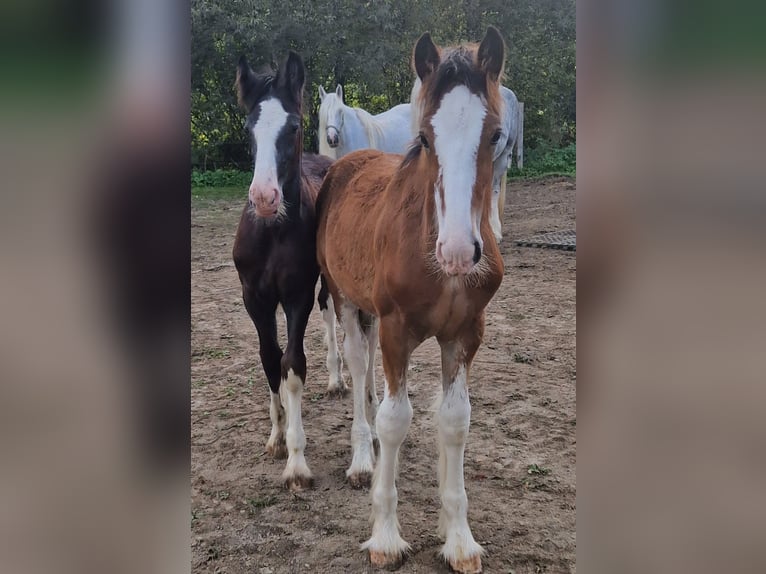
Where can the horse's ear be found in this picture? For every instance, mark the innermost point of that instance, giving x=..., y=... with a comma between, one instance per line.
x=322, y=94
x=292, y=76
x=339, y=92
x=425, y=56
x=246, y=84
x=492, y=54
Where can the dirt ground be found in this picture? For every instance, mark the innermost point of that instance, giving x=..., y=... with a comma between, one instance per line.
x=520, y=456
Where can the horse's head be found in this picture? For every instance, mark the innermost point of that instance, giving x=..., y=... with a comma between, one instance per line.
x=458, y=131
x=331, y=115
x=273, y=104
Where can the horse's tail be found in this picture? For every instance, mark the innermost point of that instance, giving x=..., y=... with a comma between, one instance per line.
x=371, y=128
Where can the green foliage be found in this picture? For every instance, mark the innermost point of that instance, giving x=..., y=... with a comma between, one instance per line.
x=366, y=47
x=221, y=178
x=212, y=194
x=547, y=160
x=538, y=470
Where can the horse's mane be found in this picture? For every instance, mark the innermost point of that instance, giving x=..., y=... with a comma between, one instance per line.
x=313, y=169
x=416, y=106
x=371, y=127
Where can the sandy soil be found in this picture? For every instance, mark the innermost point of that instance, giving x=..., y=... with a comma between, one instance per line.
x=520, y=457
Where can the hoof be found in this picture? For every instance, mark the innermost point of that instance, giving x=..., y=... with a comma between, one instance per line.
x=360, y=479
x=298, y=483
x=337, y=391
x=278, y=450
x=470, y=565
x=387, y=561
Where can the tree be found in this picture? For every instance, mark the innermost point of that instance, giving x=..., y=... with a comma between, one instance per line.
x=366, y=46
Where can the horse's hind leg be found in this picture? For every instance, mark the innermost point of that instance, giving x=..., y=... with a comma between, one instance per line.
x=296, y=475
x=460, y=549
x=334, y=361
x=371, y=396
x=355, y=348
x=271, y=359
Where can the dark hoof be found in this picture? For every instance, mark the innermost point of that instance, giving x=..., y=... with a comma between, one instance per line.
x=386, y=561
x=277, y=451
x=299, y=483
x=360, y=479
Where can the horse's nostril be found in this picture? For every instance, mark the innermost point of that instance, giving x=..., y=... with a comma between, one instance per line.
x=476, y=252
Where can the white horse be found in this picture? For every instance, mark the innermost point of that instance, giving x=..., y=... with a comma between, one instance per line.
x=343, y=129
x=512, y=125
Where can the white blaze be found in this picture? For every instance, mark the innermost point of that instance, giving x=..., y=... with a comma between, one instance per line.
x=458, y=125
x=271, y=120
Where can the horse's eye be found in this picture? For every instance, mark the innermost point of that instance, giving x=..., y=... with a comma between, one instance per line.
x=423, y=141
x=496, y=137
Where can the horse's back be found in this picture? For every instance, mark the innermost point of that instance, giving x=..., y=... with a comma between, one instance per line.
x=395, y=127
x=348, y=210
x=357, y=179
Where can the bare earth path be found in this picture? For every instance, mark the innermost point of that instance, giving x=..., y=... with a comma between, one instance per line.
x=520, y=457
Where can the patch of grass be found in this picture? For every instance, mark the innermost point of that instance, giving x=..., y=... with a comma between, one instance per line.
x=545, y=160
x=254, y=504
x=227, y=193
x=221, y=178
x=538, y=470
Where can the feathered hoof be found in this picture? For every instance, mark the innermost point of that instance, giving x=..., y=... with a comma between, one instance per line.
x=386, y=561
x=297, y=483
x=471, y=565
x=361, y=479
x=277, y=450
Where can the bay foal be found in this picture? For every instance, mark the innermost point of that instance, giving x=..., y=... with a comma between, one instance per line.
x=275, y=251
x=406, y=243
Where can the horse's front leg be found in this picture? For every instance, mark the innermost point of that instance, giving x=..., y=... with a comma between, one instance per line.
x=460, y=549
x=386, y=546
x=265, y=322
x=296, y=475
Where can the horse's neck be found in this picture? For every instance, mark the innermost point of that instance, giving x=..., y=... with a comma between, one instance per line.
x=354, y=136
x=292, y=190
x=416, y=202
